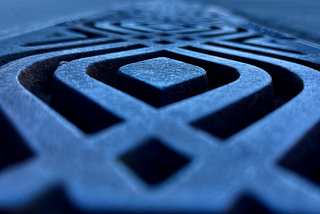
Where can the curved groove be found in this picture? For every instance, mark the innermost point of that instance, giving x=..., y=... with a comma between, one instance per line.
x=37, y=77
x=82, y=112
x=286, y=84
x=251, y=108
x=241, y=114
x=11, y=57
x=218, y=75
x=290, y=59
x=238, y=115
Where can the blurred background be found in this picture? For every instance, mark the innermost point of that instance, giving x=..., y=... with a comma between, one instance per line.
x=300, y=18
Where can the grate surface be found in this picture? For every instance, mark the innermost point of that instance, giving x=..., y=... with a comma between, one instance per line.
x=158, y=107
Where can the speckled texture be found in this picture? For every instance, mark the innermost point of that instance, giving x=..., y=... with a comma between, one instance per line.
x=162, y=72
x=161, y=81
x=250, y=141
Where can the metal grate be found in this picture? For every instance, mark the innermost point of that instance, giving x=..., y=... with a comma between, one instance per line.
x=159, y=107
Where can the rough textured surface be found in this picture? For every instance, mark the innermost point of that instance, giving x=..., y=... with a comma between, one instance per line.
x=72, y=141
x=161, y=81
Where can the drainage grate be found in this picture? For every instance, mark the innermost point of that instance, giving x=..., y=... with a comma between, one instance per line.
x=159, y=107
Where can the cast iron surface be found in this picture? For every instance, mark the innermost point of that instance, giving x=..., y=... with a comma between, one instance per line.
x=159, y=107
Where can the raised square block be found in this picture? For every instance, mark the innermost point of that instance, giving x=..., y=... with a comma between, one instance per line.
x=161, y=81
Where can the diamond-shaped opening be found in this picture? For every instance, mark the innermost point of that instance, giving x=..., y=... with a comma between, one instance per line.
x=217, y=74
x=13, y=148
x=153, y=161
x=304, y=157
x=248, y=203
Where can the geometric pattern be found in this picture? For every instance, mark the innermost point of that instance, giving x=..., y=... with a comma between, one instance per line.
x=163, y=107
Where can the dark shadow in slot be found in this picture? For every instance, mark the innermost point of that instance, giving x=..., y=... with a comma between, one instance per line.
x=218, y=75
x=37, y=77
x=242, y=39
x=286, y=84
x=87, y=33
x=163, y=42
x=78, y=109
x=141, y=37
x=13, y=148
x=185, y=38
x=153, y=161
x=53, y=200
x=290, y=59
x=241, y=114
x=248, y=203
x=304, y=157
